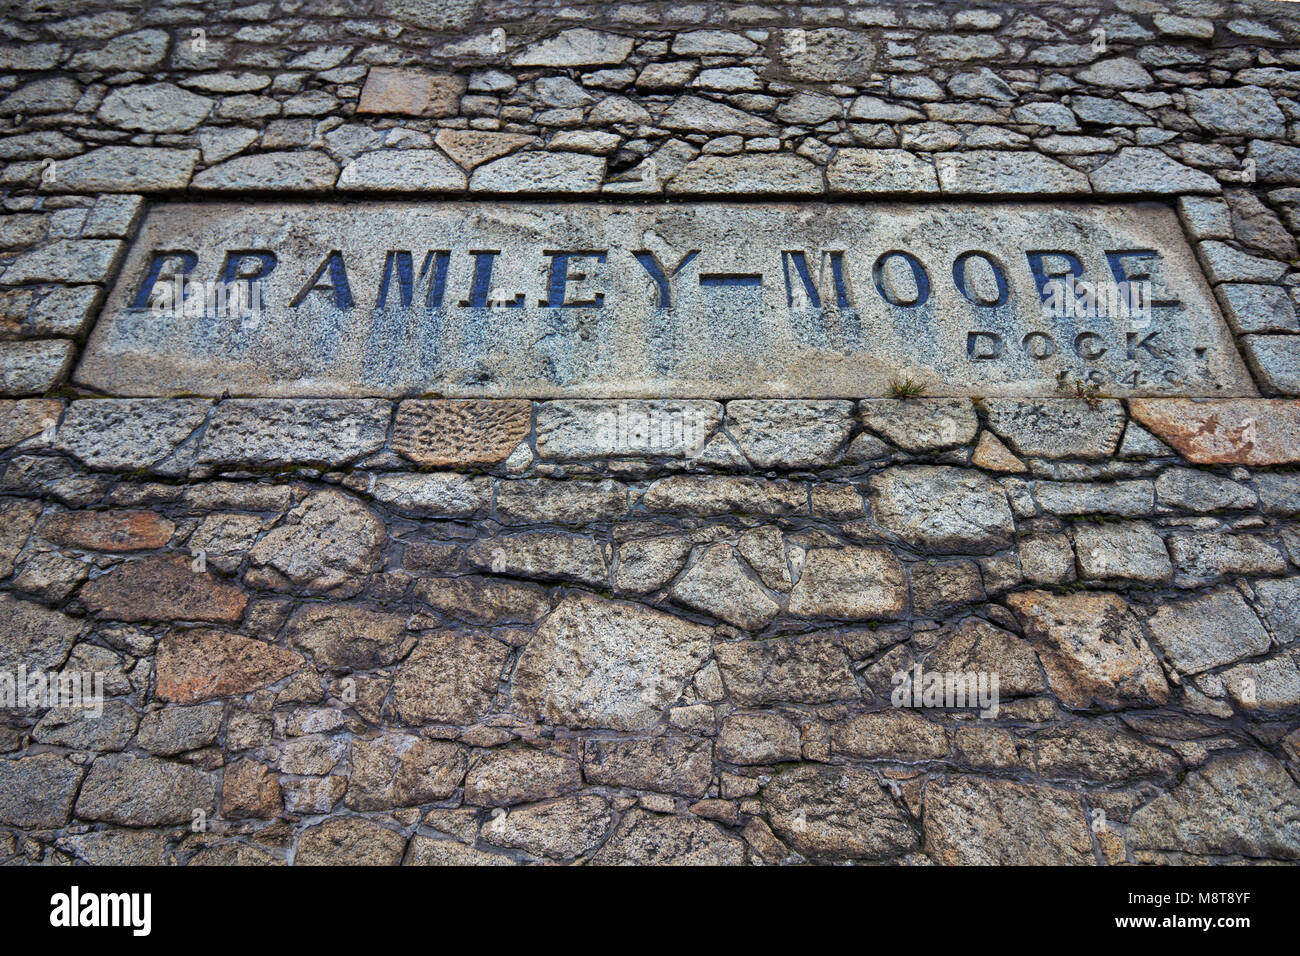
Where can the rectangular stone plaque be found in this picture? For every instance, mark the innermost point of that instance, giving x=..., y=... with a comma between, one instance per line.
x=665, y=300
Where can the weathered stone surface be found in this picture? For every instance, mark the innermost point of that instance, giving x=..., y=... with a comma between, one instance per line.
x=1117, y=73
x=798, y=669
x=1204, y=558
x=598, y=663
x=250, y=789
x=1207, y=631
x=790, y=434
x=400, y=770
x=699, y=346
x=649, y=563
x=991, y=455
x=437, y=495
x=1244, y=804
x=38, y=790
x=758, y=738
x=117, y=847
x=562, y=829
x=780, y=175
x=827, y=55
x=194, y=666
x=542, y=554
x=977, y=646
x=539, y=172
x=712, y=43
x=647, y=839
x=24, y=418
x=483, y=600
x=580, y=47
x=1275, y=360
x=402, y=170
x=140, y=169
x=1275, y=162
x=1193, y=490
x=425, y=851
x=836, y=813
x=473, y=148
x=78, y=729
x=410, y=92
x=560, y=502
x=850, y=583
x=324, y=543
x=29, y=368
x=988, y=172
x=622, y=321
x=349, y=841
x=266, y=172
x=1225, y=263
x=449, y=678
x=974, y=821
x=66, y=260
x=583, y=430
x=1099, y=752
x=857, y=171
x=718, y=584
x=155, y=108
x=144, y=791
x=1128, y=551
x=922, y=424
x=273, y=434
x=662, y=764
x=940, y=588
x=1125, y=498
x=17, y=518
x=1279, y=607
x=34, y=636
x=441, y=433
x=1058, y=429
x=1242, y=111
x=502, y=778
x=1138, y=170
x=342, y=635
x=692, y=495
x=141, y=50
x=1268, y=685
x=897, y=734
x=175, y=730
x=114, y=531
x=129, y=434
x=941, y=509
x=163, y=588
x=1092, y=648
x=1225, y=432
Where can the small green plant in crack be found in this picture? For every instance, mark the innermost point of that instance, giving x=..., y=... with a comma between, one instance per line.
x=906, y=387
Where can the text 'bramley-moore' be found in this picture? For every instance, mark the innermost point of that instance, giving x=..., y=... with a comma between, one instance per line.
x=574, y=299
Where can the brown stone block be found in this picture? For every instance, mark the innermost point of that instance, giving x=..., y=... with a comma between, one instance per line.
x=1225, y=431
x=108, y=530
x=201, y=665
x=163, y=588
x=412, y=92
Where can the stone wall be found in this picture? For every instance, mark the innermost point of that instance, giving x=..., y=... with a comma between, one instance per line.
x=441, y=631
